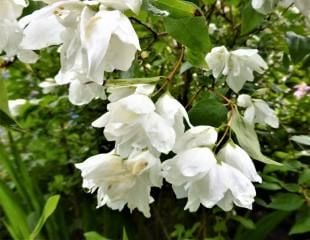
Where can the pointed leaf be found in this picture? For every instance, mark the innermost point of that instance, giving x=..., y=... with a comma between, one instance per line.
x=248, y=139
x=190, y=31
x=49, y=208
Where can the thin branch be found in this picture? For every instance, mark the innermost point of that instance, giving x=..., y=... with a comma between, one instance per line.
x=176, y=66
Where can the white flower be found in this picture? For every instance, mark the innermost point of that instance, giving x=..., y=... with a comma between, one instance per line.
x=91, y=44
x=199, y=136
x=82, y=93
x=257, y=111
x=173, y=112
x=133, y=123
x=264, y=6
x=15, y=106
x=133, y=5
x=195, y=174
x=237, y=66
x=11, y=32
x=119, y=182
x=236, y=157
x=11, y=9
x=44, y=27
x=110, y=43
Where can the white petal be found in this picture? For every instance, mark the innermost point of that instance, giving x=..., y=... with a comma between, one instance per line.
x=250, y=114
x=264, y=6
x=80, y=93
x=217, y=60
x=136, y=103
x=190, y=165
x=159, y=132
x=27, y=56
x=198, y=136
x=242, y=189
x=236, y=157
x=264, y=114
x=173, y=111
x=209, y=190
x=244, y=100
x=101, y=121
x=42, y=27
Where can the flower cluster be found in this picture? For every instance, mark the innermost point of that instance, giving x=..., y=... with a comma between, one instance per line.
x=237, y=65
x=142, y=131
x=93, y=37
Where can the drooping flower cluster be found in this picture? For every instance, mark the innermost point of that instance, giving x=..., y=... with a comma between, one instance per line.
x=138, y=126
x=257, y=111
x=208, y=179
x=91, y=42
x=237, y=65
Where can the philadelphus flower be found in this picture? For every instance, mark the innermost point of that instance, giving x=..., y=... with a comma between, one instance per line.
x=133, y=124
x=202, y=136
x=11, y=32
x=236, y=157
x=122, y=181
x=194, y=173
x=257, y=111
x=91, y=43
x=173, y=112
x=237, y=66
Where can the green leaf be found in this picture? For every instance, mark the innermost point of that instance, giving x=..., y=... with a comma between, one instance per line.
x=94, y=236
x=299, y=46
x=303, y=139
x=125, y=237
x=176, y=8
x=196, y=58
x=246, y=222
x=3, y=98
x=302, y=224
x=209, y=110
x=5, y=118
x=269, y=186
x=286, y=202
x=250, y=19
x=304, y=177
x=49, y=208
x=17, y=220
x=190, y=31
x=247, y=138
x=263, y=227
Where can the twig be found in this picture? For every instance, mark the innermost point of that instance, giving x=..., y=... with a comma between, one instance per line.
x=176, y=66
x=172, y=73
